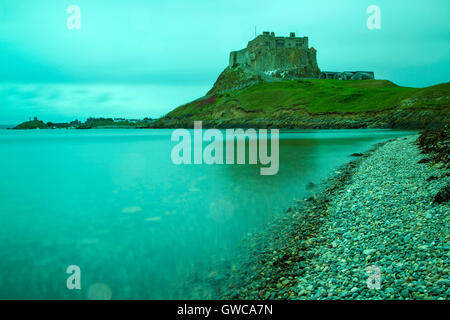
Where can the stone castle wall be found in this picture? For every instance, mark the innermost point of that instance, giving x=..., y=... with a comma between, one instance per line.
x=274, y=55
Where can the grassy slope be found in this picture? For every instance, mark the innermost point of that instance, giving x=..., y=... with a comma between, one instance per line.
x=318, y=96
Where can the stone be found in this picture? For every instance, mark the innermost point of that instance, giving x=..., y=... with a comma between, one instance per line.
x=369, y=251
x=404, y=293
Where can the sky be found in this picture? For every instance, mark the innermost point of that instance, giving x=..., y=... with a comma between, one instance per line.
x=143, y=58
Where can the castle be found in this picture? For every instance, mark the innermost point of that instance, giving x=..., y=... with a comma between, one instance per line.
x=269, y=58
x=274, y=56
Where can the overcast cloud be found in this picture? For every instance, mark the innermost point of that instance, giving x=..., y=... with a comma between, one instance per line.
x=140, y=58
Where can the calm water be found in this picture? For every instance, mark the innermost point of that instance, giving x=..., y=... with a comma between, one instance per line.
x=140, y=227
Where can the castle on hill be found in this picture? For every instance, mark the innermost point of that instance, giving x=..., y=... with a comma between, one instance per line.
x=269, y=58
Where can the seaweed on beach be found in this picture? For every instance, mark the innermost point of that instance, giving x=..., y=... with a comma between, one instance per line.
x=436, y=143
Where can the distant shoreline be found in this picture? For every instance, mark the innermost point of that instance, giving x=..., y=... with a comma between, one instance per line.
x=90, y=123
x=400, y=121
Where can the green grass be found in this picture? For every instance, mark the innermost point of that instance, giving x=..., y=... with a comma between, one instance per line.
x=320, y=96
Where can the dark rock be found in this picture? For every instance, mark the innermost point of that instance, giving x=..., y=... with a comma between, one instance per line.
x=443, y=195
x=356, y=155
x=310, y=186
x=425, y=160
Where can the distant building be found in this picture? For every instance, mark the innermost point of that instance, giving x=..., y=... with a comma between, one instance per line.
x=348, y=75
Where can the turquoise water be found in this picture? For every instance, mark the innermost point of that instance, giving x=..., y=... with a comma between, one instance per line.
x=138, y=226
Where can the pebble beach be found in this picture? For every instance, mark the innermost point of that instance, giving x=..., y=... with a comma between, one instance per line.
x=372, y=231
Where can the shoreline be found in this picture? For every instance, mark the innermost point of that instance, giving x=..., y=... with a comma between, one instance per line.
x=322, y=246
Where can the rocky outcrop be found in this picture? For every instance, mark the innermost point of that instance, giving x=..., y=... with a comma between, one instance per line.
x=235, y=79
x=436, y=142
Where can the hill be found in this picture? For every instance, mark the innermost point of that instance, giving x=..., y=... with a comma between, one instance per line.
x=318, y=103
x=33, y=124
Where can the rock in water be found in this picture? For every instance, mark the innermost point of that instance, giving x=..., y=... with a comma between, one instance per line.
x=310, y=186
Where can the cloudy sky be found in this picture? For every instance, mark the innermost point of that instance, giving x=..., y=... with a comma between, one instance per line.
x=139, y=58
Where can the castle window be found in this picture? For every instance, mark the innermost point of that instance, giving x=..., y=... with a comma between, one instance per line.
x=280, y=43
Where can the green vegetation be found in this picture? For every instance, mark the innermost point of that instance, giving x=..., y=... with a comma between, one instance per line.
x=33, y=124
x=318, y=96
